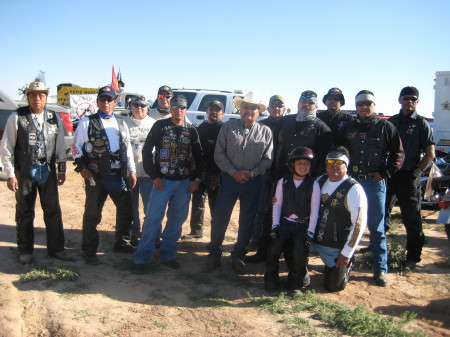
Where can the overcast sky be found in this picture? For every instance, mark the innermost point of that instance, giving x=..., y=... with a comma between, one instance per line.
x=271, y=47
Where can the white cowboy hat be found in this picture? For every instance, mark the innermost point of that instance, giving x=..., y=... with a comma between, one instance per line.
x=249, y=97
x=36, y=87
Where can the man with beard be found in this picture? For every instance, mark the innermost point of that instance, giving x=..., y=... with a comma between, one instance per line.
x=333, y=116
x=302, y=129
x=210, y=180
x=162, y=109
x=376, y=153
x=263, y=219
x=244, y=154
x=417, y=139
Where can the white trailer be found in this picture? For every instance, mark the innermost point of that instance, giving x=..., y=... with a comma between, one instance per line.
x=441, y=114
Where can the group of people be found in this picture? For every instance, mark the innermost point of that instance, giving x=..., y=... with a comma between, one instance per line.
x=310, y=180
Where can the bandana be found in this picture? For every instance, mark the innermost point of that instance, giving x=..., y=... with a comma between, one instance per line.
x=336, y=155
x=106, y=116
x=305, y=115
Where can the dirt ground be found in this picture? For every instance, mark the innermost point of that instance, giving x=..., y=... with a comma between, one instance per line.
x=107, y=300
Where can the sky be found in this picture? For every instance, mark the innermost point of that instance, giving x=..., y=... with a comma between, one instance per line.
x=269, y=47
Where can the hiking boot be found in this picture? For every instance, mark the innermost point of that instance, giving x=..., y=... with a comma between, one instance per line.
x=239, y=266
x=126, y=248
x=255, y=258
x=174, y=264
x=212, y=264
x=380, y=278
x=91, y=259
x=138, y=268
x=25, y=258
x=63, y=256
x=409, y=264
x=191, y=236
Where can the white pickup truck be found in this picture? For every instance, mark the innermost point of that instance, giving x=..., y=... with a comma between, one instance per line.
x=199, y=100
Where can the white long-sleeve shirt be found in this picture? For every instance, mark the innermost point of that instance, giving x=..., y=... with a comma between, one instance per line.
x=356, y=203
x=315, y=205
x=112, y=132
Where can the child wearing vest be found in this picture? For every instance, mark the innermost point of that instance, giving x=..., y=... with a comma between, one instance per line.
x=295, y=214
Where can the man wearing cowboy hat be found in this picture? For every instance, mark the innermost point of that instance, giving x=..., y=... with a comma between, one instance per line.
x=333, y=117
x=243, y=153
x=103, y=156
x=302, y=129
x=32, y=144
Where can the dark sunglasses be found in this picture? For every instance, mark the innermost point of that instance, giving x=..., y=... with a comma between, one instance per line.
x=333, y=99
x=137, y=105
x=409, y=98
x=250, y=106
x=366, y=103
x=165, y=96
x=105, y=99
x=275, y=105
x=182, y=107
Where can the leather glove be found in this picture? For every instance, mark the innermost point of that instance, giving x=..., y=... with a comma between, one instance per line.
x=274, y=233
x=417, y=173
x=309, y=239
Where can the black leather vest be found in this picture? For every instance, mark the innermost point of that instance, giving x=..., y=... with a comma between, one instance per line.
x=97, y=151
x=30, y=142
x=294, y=134
x=297, y=200
x=369, y=153
x=335, y=222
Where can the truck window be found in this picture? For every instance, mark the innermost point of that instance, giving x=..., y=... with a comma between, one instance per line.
x=207, y=99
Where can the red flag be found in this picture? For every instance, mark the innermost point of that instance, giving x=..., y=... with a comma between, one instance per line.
x=114, y=82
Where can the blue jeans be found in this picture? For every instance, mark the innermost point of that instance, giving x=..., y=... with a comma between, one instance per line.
x=376, y=200
x=177, y=197
x=143, y=187
x=229, y=191
x=328, y=255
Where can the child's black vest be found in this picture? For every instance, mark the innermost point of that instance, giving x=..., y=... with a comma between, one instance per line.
x=297, y=200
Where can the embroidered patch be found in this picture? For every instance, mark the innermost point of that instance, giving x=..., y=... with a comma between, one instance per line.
x=164, y=153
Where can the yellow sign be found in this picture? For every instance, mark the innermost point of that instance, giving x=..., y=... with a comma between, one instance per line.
x=64, y=92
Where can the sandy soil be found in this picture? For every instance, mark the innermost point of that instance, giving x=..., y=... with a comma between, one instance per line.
x=107, y=300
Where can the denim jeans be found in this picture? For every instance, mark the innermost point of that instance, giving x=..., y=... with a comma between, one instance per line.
x=376, y=200
x=176, y=196
x=143, y=187
x=328, y=255
x=229, y=191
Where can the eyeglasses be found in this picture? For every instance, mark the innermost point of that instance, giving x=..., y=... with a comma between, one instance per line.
x=335, y=161
x=137, y=105
x=249, y=106
x=165, y=96
x=105, y=99
x=182, y=107
x=333, y=99
x=410, y=98
x=275, y=105
x=366, y=103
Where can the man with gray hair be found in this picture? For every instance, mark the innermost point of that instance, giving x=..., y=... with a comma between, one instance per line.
x=32, y=144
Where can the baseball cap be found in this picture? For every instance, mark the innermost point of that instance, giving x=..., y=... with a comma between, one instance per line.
x=165, y=89
x=108, y=91
x=216, y=103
